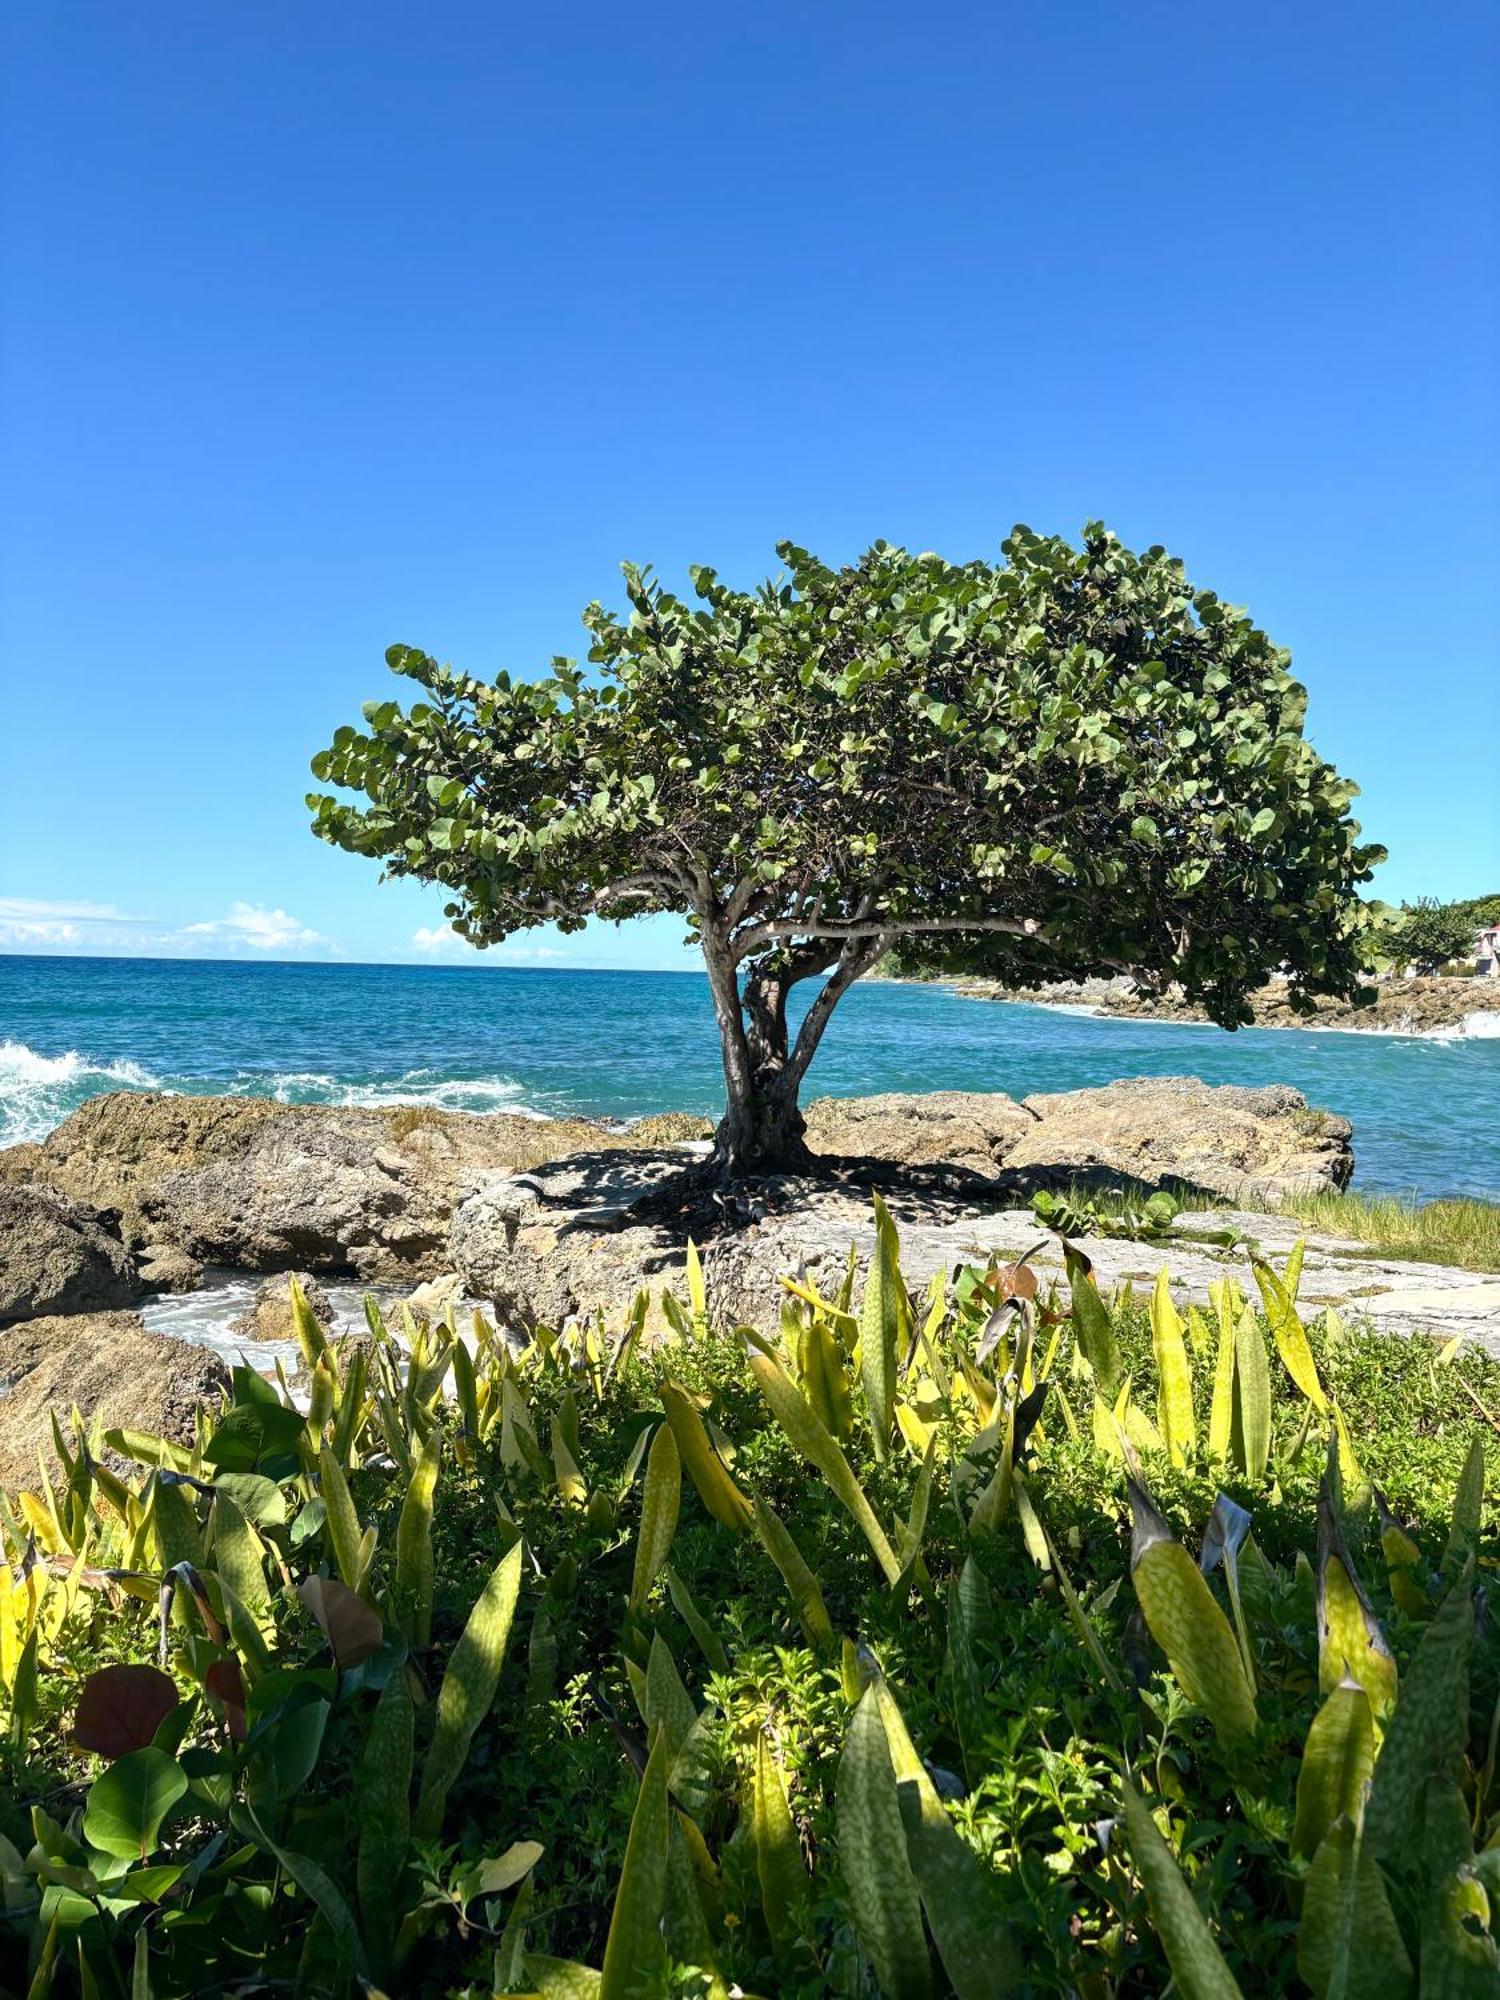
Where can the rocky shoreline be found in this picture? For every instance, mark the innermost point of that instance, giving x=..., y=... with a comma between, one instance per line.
x=1440, y=1009
x=139, y=1194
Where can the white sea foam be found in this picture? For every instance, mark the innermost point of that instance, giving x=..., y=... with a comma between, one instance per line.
x=415, y=1087
x=37, y=1091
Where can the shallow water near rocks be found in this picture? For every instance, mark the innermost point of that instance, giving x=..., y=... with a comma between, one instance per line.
x=616, y=1045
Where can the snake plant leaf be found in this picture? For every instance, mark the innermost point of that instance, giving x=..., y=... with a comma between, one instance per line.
x=1251, y=1436
x=1185, y=1620
x=1350, y=1641
x=1353, y=1485
x=1290, y=1335
x=1460, y=1954
x=705, y=1468
x=968, y=1607
x=709, y=1643
x=1174, y=1374
x=174, y=1521
x=916, y=1522
x=810, y=1437
x=1093, y=1327
x=779, y=1866
x=559, y=1978
x=305, y=1324
x=872, y=1852
x=1222, y=1408
x=685, y=1928
x=1197, y=1963
x=1403, y=1562
x=1337, y=1760
x=633, y=1955
x=240, y=1560
x=802, y=1585
x=415, y=1580
x=661, y=1499
x=879, y=1330
x=1428, y=1731
x=1349, y=1946
x=344, y=1531
x=667, y=1705
x=468, y=1689
x=383, y=1809
x=1468, y=1507
x=824, y=1381
x=957, y=1891
x=316, y=1884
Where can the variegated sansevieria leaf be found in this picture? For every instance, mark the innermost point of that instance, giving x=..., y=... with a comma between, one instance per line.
x=705, y=1468
x=414, y=1559
x=872, y=1854
x=1350, y=1641
x=957, y=1891
x=634, y=1960
x=1349, y=1946
x=305, y=1324
x=796, y=1417
x=1093, y=1328
x=344, y=1531
x=1290, y=1335
x=383, y=1807
x=1221, y=1410
x=824, y=1382
x=879, y=1330
x=1252, y=1398
x=661, y=1497
x=778, y=1853
x=468, y=1689
x=1174, y=1375
x=1403, y=1562
x=1198, y=1966
x=1337, y=1760
x=1185, y=1620
x=1429, y=1730
x=1468, y=1507
x=802, y=1585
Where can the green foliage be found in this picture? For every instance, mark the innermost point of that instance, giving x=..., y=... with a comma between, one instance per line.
x=1428, y=934
x=1083, y=1211
x=1040, y=1696
x=1062, y=764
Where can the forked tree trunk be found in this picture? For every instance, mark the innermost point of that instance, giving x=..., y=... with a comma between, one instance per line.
x=763, y=1130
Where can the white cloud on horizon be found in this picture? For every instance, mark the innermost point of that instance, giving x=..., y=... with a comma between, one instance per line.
x=252, y=924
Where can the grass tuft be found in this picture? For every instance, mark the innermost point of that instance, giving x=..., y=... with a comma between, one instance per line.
x=1462, y=1232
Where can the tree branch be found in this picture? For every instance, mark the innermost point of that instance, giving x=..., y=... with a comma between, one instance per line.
x=851, y=964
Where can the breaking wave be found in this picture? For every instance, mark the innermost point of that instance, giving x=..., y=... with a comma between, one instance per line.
x=37, y=1091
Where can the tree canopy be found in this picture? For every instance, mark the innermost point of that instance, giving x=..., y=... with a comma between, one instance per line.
x=1066, y=763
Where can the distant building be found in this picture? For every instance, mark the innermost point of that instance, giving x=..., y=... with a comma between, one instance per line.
x=1487, y=952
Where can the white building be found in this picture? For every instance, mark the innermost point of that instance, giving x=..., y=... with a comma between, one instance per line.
x=1487, y=952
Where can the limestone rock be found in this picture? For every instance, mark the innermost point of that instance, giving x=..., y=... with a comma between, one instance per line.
x=1242, y=1145
x=256, y=1185
x=965, y=1128
x=165, y=1268
x=106, y=1363
x=59, y=1255
x=269, y=1319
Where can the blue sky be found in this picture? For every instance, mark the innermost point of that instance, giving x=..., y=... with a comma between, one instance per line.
x=329, y=326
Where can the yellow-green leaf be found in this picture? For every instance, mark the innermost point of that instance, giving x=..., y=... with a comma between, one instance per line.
x=468, y=1689
x=879, y=1330
x=1337, y=1760
x=633, y=1954
x=414, y=1560
x=1197, y=1963
x=1252, y=1397
x=872, y=1853
x=705, y=1468
x=1174, y=1401
x=1287, y=1330
x=778, y=1853
x=807, y=1598
x=661, y=1498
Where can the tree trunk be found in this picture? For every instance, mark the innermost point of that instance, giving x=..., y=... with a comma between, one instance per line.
x=763, y=1130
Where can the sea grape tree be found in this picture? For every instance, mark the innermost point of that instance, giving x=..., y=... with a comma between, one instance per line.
x=1071, y=762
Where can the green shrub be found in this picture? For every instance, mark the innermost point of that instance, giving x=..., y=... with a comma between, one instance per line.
x=980, y=1643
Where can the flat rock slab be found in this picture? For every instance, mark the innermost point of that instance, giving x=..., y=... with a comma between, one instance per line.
x=566, y=1239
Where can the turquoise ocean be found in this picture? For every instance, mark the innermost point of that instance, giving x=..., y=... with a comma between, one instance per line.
x=615, y=1045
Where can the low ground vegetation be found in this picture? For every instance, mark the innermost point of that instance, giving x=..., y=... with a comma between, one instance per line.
x=1456, y=1231
x=972, y=1643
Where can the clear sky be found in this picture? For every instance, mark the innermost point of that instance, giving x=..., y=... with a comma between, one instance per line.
x=326, y=326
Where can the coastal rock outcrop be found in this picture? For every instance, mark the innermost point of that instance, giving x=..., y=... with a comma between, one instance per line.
x=962, y=1128
x=262, y=1186
x=58, y=1255
x=110, y=1367
x=1243, y=1145
x=269, y=1317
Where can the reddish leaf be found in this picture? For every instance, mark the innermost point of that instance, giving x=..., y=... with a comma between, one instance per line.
x=1018, y=1281
x=225, y=1683
x=121, y=1709
x=348, y=1624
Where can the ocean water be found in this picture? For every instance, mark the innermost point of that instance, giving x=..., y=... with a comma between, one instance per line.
x=615, y=1045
